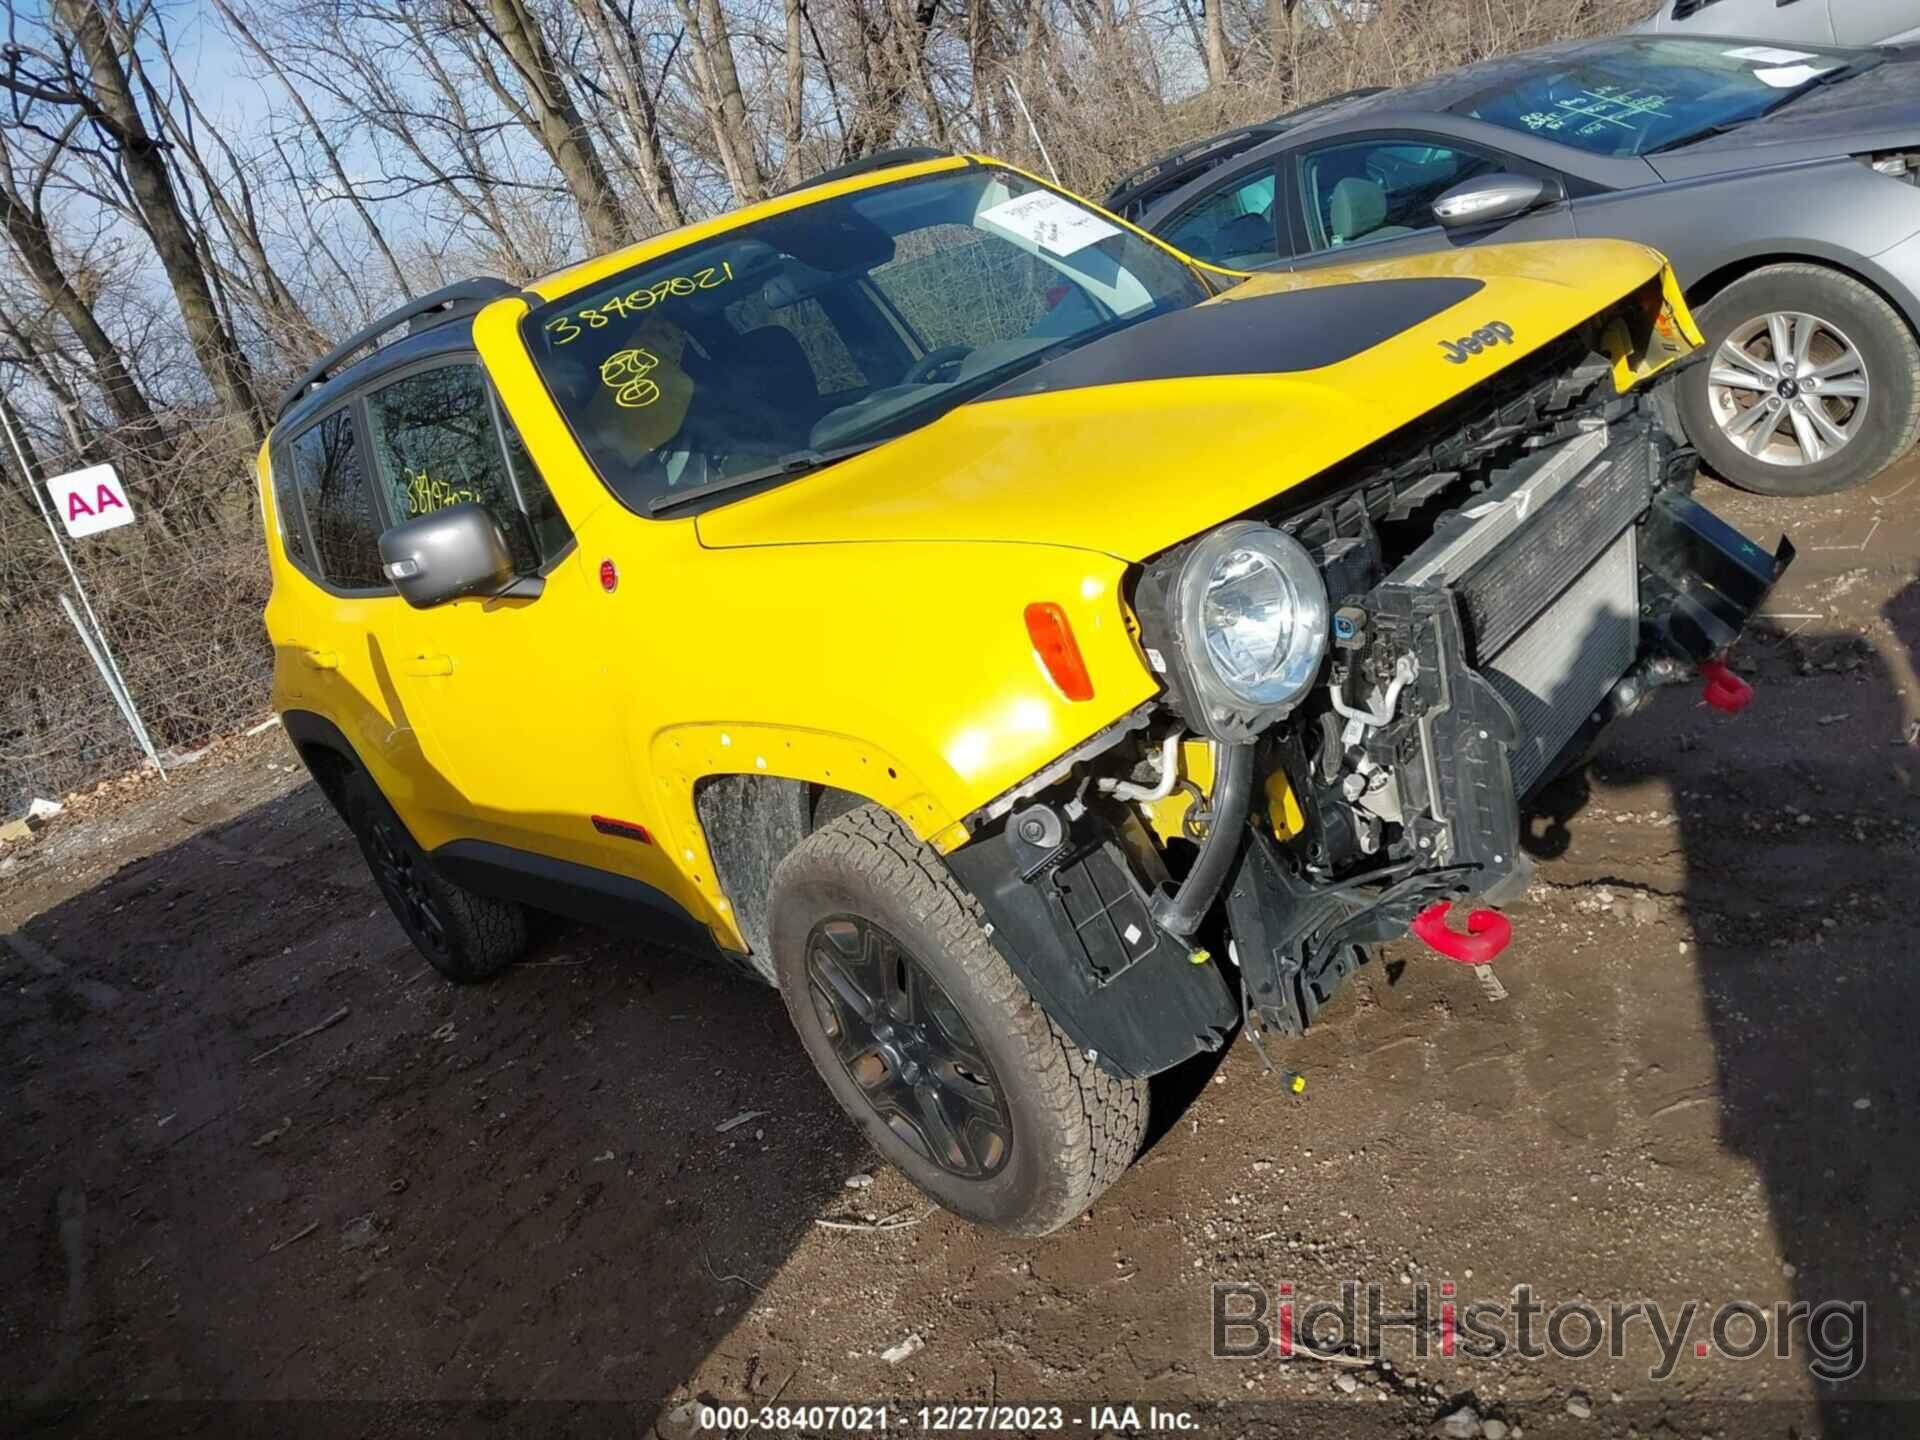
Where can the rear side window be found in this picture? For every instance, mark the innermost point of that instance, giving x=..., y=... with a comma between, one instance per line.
x=330, y=481
x=438, y=441
x=823, y=348
x=286, y=506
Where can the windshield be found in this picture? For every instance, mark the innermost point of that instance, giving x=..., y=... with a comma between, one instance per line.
x=785, y=343
x=1632, y=97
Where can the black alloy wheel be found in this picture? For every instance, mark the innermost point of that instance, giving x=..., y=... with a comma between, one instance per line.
x=921, y=1030
x=405, y=887
x=905, y=1047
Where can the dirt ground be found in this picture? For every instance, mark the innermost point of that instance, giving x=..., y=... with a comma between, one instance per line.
x=263, y=1170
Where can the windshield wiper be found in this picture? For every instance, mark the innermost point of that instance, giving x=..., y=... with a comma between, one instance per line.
x=794, y=463
x=1825, y=77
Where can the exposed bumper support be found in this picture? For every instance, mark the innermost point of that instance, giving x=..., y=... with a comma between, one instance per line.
x=1077, y=927
x=1698, y=583
x=1700, y=579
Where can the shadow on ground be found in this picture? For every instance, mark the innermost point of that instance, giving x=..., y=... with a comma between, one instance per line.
x=467, y=1200
x=1806, y=977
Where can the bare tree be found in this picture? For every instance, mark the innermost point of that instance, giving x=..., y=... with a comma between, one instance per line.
x=638, y=107
x=103, y=95
x=348, y=192
x=720, y=95
x=1219, y=63
x=23, y=214
x=796, y=93
x=553, y=118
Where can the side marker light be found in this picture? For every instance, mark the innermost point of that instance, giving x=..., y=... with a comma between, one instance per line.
x=1053, y=642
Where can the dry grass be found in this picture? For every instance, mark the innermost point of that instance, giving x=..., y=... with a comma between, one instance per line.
x=179, y=594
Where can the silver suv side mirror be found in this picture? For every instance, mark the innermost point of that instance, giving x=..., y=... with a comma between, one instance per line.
x=1489, y=199
x=446, y=555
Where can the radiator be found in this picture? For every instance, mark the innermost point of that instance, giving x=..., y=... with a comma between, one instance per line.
x=1558, y=666
x=1547, y=575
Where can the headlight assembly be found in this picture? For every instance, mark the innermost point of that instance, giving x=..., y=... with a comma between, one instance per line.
x=1247, y=616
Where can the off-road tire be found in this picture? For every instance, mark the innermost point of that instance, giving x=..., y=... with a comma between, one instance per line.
x=1886, y=345
x=479, y=935
x=1075, y=1128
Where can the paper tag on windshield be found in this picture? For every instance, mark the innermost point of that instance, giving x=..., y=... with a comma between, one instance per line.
x=1788, y=77
x=1050, y=222
x=1767, y=54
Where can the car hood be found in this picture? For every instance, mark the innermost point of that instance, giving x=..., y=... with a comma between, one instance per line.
x=1879, y=110
x=1137, y=441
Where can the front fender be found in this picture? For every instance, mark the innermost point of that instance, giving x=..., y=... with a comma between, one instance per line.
x=900, y=672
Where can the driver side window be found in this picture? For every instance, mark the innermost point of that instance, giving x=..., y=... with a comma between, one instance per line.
x=1233, y=227
x=1380, y=189
x=437, y=442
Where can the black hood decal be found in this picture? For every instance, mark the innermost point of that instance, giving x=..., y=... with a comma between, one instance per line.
x=1270, y=334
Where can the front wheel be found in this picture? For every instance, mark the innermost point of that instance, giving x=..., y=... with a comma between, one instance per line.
x=926, y=1037
x=1811, y=383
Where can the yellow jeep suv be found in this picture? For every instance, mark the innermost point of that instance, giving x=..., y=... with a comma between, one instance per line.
x=1038, y=654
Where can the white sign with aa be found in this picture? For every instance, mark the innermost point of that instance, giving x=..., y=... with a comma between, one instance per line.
x=90, y=500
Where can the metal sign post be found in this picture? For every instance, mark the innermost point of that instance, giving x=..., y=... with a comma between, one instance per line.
x=97, y=647
x=115, y=686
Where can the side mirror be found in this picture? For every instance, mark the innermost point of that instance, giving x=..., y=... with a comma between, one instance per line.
x=446, y=555
x=1489, y=199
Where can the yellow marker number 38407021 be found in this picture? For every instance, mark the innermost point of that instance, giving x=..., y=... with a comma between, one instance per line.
x=568, y=328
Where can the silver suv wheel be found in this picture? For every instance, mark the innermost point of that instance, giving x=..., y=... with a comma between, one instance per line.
x=1789, y=388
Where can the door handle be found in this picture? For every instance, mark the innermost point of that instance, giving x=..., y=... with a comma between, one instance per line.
x=429, y=665
x=321, y=659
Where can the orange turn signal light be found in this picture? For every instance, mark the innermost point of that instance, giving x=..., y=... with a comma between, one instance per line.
x=1053, y=642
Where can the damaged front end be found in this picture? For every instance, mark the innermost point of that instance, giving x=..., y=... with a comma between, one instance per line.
x=1465, y=605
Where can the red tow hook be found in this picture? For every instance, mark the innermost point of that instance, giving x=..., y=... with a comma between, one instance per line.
x=1725, y=690
x=1488, y=933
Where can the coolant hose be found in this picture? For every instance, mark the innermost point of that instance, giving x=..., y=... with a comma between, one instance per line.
x=1179, y=912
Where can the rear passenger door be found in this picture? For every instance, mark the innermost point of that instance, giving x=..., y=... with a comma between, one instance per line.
x=1371, y=197
x=324, y=622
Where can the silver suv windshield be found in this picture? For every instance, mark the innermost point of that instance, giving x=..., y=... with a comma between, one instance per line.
x=787, y=343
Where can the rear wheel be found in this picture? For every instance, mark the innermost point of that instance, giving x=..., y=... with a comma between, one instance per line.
x=1812, y=382
x=925, y=1036
x=464, y=935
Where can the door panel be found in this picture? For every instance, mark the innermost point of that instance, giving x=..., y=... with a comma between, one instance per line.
x=514, y=706
x=1869, y=22
x=507, y=698
x=322, y=618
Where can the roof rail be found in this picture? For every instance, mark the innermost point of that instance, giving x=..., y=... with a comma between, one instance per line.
x=1223, y=146
x=878, y=160
x=1198, y=156
x=422, y=313
x=1326, y=102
